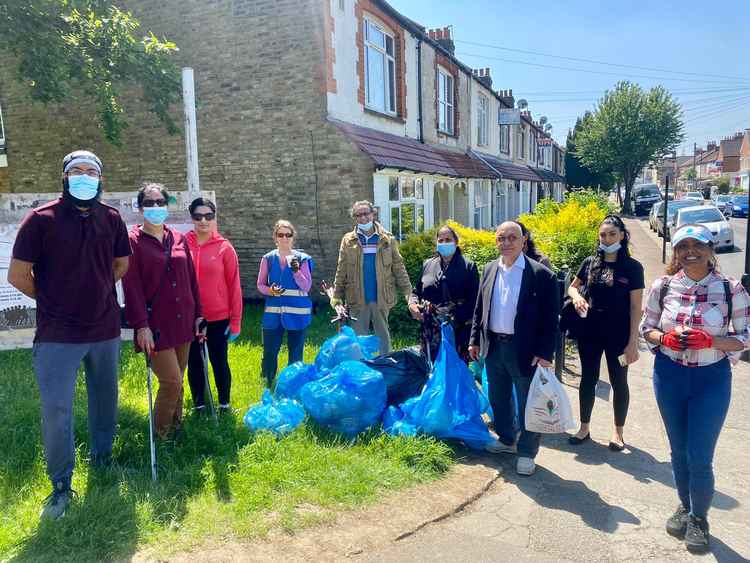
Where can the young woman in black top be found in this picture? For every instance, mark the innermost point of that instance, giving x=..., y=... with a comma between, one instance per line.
x=607, y=291
x=450, y=282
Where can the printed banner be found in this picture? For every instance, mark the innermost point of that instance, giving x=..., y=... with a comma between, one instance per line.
x=18, y=312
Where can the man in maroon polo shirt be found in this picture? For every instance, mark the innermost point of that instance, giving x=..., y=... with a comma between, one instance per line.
x=68, y=255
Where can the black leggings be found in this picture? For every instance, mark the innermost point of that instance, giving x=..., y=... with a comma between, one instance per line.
x=217, y=354
x=590, y=349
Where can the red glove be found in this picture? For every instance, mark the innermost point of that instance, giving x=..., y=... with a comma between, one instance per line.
x=697, y=339
x=673, y=341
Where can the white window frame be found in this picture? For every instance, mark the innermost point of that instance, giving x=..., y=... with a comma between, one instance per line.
x=446, y=102
x=2, y=129
x=397, y=204
x=389, y=68
x=505, y=136
x=483, y=120
x=521, y=143
x=481, y=215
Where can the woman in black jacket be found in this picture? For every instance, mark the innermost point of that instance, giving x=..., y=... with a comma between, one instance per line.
x=447, y=288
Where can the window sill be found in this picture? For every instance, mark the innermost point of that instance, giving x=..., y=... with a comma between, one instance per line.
x=442, y=133
x=389, y=116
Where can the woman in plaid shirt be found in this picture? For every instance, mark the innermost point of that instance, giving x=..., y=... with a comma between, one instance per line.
x=696, y=322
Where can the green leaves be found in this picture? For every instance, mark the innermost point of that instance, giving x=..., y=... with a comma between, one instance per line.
x=90, y=47
x=629, y=129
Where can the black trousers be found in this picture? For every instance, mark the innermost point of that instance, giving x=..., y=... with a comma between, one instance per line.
x=217, y=354
x=591, y=346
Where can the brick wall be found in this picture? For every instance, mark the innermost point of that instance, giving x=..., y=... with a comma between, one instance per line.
x=264, y=145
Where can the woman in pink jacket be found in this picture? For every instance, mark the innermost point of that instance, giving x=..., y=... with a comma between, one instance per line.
x=218, y=272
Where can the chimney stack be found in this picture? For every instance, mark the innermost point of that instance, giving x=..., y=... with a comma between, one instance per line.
x=507, y=97
x=443, y=38
x=483, y=75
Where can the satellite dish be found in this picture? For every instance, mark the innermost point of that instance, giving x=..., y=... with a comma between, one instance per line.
x=543, y=120
x=522, y=104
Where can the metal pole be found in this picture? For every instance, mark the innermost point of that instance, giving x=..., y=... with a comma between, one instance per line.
x=191, y=134
x=664, y=238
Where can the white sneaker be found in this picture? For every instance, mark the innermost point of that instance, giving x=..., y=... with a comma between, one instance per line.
x=525, y=466
x=497, y=447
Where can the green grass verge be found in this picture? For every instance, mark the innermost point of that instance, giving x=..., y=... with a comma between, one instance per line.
x=216, y=482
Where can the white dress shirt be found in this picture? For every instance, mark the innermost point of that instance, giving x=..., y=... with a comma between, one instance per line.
x=505, y=296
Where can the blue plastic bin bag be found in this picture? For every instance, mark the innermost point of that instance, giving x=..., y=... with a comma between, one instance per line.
x=350, y=399
x=394, y=424
x=292, y=378
x=278, y=416
x=450, y=405
x=345, y=346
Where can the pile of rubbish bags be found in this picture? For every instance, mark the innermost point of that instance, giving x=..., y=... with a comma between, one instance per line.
x=349, y=390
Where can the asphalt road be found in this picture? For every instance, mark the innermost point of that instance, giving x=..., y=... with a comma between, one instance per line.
x=732, y=263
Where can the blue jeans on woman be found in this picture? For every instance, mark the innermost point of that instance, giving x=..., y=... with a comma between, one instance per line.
x=272, y=338
x=693, y=402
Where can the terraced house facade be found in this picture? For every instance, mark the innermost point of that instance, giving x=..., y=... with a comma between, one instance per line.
x=304, y=106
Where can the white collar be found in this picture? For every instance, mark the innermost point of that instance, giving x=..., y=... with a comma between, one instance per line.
x=519, y=263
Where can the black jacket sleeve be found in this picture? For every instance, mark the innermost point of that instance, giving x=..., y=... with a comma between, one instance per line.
x=549, y=314
x=476, y=325
x=470, y=289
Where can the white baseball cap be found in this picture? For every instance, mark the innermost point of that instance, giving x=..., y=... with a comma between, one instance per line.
x=698, y=232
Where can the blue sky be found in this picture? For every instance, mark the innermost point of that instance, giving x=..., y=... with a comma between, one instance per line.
x=701, y=52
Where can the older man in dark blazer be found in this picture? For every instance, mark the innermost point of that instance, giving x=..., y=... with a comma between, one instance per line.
x=514, y=327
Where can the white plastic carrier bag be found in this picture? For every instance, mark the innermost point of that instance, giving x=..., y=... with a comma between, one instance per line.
x=548, y=409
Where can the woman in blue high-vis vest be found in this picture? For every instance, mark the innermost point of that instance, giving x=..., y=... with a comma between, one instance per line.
x=285, y=278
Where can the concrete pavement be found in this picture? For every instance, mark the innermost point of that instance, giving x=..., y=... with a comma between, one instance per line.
x=586, y=503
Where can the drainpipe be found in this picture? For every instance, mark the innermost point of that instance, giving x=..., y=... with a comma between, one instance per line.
x=419, y=88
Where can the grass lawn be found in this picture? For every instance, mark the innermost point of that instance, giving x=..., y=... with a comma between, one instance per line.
x=216, y=482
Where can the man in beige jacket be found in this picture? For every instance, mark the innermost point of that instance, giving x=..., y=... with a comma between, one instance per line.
x=369, y=272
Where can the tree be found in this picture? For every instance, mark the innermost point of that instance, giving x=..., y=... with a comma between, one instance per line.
x=723, y=185
x=690, y=174
x=70, y=47
x=629, y=129
x=576, y=174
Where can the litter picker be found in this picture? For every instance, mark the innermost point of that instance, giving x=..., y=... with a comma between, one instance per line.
x=149, y=378
x=204, y=357
x=342, y=317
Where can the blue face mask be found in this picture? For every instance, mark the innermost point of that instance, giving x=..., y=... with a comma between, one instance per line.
x=611, y=249
x=446, y=248
x=155, y=215
x=365, y=226
x=83, y=187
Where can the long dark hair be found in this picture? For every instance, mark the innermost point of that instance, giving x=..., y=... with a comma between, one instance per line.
x=531, y=250
x=622, y=254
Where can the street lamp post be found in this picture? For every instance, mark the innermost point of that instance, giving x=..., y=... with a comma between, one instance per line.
x=664, y=222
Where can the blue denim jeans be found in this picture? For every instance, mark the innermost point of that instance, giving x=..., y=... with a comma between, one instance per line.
x=56, y=367
x=272, y=338
x=693, y=402
x=503, y=374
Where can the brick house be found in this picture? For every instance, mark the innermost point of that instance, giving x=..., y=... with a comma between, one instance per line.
x=745, y=161
x=729, y=158
x=304, y=106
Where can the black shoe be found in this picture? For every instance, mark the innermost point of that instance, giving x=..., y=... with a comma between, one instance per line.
x=677, y=523
x=615, y=447
x=199, y=412
x=225, y=410
x=696, y=535
x=575, y=440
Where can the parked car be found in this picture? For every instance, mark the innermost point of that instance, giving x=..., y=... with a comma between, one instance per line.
x=644, y=196
x=738, y=207
x=720, y=200
x=711, y=217
x=656, y=209
x=671, y=212
x=695, y=196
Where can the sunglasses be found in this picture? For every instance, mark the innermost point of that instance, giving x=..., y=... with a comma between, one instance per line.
x=284, y=235
x=154, y=203
x=207, y=216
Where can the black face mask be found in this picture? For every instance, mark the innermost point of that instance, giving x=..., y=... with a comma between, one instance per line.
x=86, y=204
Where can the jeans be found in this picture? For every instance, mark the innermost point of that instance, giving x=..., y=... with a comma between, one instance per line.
x=693, y=402
x=370, y=312
x=502, y=375
x=216, y=342
x=590, y=349
x=272, y=338
x=56, y=367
